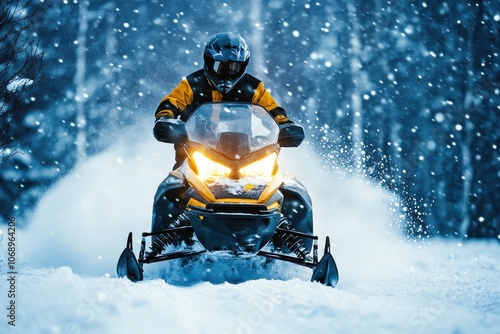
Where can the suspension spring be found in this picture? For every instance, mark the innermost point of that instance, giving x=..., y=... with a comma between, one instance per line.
x=170, y=237
x=294, y=243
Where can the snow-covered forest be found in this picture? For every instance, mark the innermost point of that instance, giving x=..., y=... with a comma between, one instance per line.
x=400, y=101
x=403, y=92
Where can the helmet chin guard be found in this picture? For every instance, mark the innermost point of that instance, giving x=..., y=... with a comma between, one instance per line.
x=226, y=57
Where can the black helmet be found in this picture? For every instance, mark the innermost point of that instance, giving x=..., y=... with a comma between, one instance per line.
x=226, y=58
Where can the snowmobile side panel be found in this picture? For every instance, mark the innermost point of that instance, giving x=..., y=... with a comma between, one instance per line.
x=297, y=208
x=169, y=200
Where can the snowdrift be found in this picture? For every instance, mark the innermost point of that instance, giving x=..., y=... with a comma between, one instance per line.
x=66, y=280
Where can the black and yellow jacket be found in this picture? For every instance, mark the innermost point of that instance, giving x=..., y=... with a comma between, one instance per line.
x=195, y=89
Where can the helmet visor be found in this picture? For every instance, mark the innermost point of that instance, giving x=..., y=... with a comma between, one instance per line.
x=228, y=69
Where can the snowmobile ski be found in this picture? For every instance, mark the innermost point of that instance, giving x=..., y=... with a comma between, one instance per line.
x=326, y=271
x=128, y=266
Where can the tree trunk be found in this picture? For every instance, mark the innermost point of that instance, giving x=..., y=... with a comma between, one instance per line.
x=81, y=121
x=470, y=105
x=110, y=56
x=356, y=100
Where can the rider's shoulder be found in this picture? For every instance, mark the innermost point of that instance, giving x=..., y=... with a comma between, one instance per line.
x=250, y=78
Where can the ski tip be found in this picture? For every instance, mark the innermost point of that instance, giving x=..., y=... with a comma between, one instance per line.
x=129, y=241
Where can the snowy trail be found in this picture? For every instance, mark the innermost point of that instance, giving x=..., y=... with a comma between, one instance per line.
x=67, y=281
x=437, y=298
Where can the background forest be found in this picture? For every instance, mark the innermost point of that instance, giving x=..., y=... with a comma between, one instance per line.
x=404, y=92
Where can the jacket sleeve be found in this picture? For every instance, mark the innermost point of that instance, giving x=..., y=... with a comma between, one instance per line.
x=264, y=98
x=174, y=103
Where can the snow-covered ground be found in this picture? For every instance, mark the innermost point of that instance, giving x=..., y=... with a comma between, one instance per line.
x=66, y=280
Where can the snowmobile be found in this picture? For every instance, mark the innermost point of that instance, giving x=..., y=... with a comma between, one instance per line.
x=237, y=199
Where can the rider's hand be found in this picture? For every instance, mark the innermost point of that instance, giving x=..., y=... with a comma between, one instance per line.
x=170, y=130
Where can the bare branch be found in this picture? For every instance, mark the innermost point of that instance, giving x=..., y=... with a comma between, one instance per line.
x=20, y=66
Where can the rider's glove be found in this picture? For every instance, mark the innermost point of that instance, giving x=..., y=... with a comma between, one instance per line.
x=170, y=130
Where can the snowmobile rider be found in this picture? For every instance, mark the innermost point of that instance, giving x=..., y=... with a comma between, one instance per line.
x=223, y=78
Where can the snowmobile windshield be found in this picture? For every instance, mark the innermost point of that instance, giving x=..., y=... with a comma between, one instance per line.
x=234, y=129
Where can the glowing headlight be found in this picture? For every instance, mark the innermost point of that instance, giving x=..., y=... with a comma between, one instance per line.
x=208, y=169
x=262, y=168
